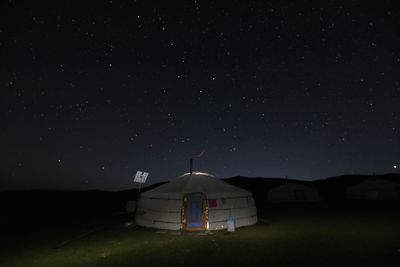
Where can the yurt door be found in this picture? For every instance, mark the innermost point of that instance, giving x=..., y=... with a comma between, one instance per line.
x=193, y=217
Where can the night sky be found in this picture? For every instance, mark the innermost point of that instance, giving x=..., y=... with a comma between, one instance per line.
x=93, y=92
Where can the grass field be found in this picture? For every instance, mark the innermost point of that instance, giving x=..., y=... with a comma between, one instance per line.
x=286, y=236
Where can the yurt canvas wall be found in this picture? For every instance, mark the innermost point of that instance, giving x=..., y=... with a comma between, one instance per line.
x=374, y=190
x=163, y=207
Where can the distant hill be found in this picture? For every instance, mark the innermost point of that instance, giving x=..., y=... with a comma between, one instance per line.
x=260, y=186
x=331, y=189
x=334, y=188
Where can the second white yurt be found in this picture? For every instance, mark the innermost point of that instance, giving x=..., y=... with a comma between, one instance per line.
x=195, y=202
x=293, y=192
x=374, y=189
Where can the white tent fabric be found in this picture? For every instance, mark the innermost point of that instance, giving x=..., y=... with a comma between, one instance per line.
x=293, y=192
x=161, y=207
x=374, y=190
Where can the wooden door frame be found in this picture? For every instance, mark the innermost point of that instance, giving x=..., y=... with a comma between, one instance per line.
x=204, y=213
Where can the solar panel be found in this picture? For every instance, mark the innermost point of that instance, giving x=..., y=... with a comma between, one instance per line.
x=141, y=177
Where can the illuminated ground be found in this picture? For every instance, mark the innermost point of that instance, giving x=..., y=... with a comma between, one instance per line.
x=287, y=237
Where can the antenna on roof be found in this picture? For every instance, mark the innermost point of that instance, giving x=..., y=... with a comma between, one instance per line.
x=191, y=161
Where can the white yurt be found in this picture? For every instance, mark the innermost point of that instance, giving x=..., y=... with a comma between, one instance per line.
x=374, y=190
x=293, y=192
x=194, y=202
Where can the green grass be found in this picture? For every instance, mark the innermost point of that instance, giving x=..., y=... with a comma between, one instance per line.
x=287, y=239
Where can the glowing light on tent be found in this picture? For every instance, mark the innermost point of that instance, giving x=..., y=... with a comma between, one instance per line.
x=197, y=173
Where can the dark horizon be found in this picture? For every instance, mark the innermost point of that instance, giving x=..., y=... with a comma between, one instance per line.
x=151, y=182
x=93, y=93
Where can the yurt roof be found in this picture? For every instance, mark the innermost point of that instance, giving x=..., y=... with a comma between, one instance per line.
x=375, y=183
x=196, y=182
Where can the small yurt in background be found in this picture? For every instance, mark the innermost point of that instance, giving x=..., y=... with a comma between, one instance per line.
x=374, y=189
x=293, y=192
x=195, y=202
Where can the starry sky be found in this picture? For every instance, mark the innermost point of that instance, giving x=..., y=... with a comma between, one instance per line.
x=93, y=92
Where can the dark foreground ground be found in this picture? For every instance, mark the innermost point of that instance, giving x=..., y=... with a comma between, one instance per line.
x=328, y=234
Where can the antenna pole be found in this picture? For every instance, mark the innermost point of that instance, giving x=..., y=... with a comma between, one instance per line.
x=191, y=165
